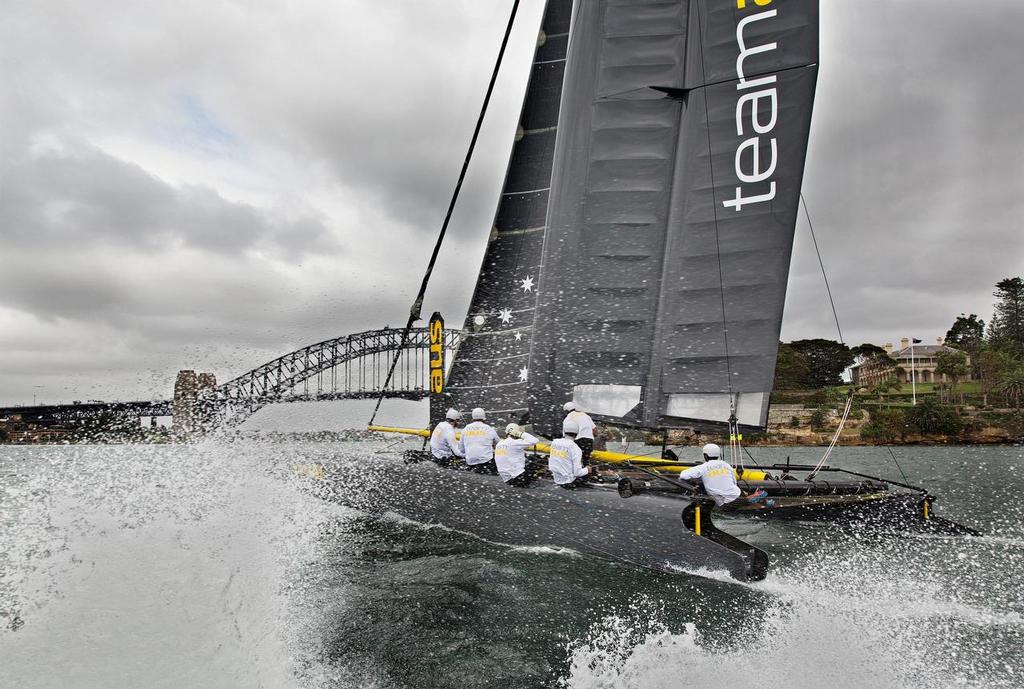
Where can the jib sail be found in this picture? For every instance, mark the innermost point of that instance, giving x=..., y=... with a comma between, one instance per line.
x=490, y=368
x=677, y=172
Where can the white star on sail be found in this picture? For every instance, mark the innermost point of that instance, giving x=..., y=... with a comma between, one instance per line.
x=522, y=374
x=518, y=336
x=505, y=315
x=527, y=283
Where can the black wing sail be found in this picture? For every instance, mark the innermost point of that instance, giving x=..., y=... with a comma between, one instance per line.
x=673, y=204
x=490, y=368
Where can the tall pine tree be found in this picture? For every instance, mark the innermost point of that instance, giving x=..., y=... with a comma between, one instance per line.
x=1006, y=330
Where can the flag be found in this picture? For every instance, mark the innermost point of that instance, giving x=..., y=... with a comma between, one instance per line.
x=915, y=340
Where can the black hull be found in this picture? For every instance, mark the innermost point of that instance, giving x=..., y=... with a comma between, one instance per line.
x=896, y=512
x=647, y=533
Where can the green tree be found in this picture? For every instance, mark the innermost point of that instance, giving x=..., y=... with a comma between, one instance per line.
x=882, y=387
x=992, y=366
x=953, y=365
x=866, y=351
x=966, y=334
x=1011, y=386
x=827, y=360
x=817, y=420
x=931, y=418
x=1006, y=330
x=792, y=369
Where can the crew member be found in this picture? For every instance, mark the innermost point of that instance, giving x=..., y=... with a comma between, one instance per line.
x=443, y=446
x=719, y=478
x=565, y=459
x=585, y=437
x=477, y=444
x=510, y=457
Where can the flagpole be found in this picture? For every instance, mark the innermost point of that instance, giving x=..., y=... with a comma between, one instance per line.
x=913, y=376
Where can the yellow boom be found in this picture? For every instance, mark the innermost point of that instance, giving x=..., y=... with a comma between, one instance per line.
x=600, y=455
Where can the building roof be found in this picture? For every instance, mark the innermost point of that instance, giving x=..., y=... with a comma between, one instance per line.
x=922, y=350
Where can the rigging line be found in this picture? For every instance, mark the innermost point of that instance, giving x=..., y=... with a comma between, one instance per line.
x=822, y=264
x=905, y=480
x=414, y=312
x=714, y=209
x=752, y=459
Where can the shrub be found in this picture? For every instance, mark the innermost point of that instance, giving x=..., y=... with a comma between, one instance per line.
x=885, y=424
x=794, y=422
x=817, y=421
x=931, y=418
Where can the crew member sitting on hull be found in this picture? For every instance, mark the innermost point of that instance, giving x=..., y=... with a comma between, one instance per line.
x=585, y=437
x=565, y=460
x=719, y=479
x=510, y=457
x=443, y=446
x=477, y=444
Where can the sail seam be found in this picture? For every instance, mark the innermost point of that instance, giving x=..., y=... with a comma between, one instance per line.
x=498, y=358
x=481, y=387
x=525, y=230
x=527, y=191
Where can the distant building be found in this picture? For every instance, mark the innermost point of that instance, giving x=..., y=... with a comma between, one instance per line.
x=919, y=363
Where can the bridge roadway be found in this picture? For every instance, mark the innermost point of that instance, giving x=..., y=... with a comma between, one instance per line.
x=349, y=367
x=57, y=413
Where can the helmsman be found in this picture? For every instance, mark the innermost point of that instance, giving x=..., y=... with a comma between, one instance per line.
x=510, y=456
x=443, y=445
x=565, y=458
x=477, y=444
x=585, y=437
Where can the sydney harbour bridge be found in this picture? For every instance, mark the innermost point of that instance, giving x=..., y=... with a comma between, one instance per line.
x=349, y=367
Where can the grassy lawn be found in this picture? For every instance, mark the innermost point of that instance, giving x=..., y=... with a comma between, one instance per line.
x=966, y=388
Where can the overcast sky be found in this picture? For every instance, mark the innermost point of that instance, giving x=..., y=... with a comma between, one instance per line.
x=211, y=184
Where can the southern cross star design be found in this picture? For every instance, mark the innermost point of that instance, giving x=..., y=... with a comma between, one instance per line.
x=505, y=315
x=518, y=336
x=527, y=283
x=522, y=374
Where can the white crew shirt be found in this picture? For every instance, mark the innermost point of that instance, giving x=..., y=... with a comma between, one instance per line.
x=510, y=455
x=477, y=442
x=719, y=480
x=442, y=441
x=585, y=423
x=565, y=461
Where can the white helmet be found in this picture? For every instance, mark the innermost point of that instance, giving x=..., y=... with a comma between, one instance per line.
x=570, y=426
x=453, y=415
x=712, y=451
x=478, y=414
x=513, y=430
x=569, y=406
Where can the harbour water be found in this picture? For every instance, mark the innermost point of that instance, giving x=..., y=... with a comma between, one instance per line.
x=214, y=565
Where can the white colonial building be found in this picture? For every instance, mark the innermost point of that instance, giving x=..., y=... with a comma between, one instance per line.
x=917, y=360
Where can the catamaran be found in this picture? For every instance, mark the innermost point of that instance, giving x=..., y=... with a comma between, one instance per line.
x=637, y=265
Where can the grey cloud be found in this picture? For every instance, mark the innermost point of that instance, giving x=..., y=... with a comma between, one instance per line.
x=89, y=198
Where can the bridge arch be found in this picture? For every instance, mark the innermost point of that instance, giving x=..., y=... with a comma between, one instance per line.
x=350, y=367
